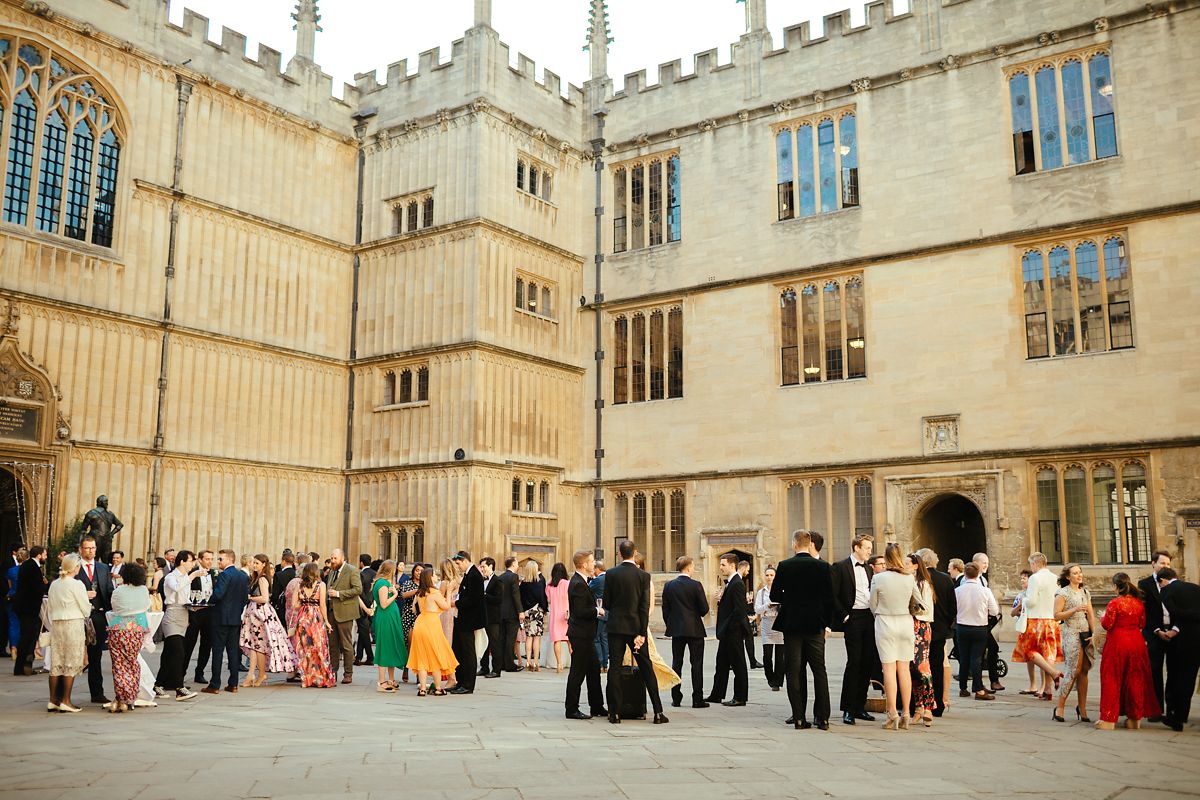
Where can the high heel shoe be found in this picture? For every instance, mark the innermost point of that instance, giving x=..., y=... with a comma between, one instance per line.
x=904, y=720
x=1079, y=715
x=1133, y=724
x=1056, y=716
x=927, y=719
x=892, y=722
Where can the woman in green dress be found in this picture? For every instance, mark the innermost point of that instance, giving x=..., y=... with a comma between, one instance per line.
x=390, y=652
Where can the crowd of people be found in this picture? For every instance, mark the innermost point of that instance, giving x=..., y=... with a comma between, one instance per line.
x=441, y=627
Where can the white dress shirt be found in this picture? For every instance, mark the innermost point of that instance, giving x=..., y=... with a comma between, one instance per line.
x=862, y=585
x=177, y=589
x=975, y=603
x=1039, y=596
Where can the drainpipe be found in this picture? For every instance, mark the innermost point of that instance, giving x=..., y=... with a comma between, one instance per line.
x=360, y=131
x=597, y=298
x=183, y=92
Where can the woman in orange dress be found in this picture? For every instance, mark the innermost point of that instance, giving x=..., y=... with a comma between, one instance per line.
x=430, y=653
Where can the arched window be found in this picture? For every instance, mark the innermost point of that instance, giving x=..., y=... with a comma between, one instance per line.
x=385, y=543
x=784, y=179
x=418, y=544
x=674, y=201
x=818, y=518
x=864, y=506
x=675, y=348
x=620, y=213
x=427, y=212
x=529, y=487
x=620, y=361
x=848, y=153
x=655, y=209
x=1074, y=108
x=804, y=165
x=621, y=516
x=1091, y=300
x=637, y=357
x=1136, y=501
x=658, y=533
x=1062, y=300
x=856, y=343
x=1022, y=123
x=839, y=500
x=637, y=199
x=533, y=179
x=547, y=310
x=795, y=512
x=389, y=388
x=1118, y=287
x=1103, y=122
x=1106, y=511
x=406, y=386
x=63, y=143
x=422, y=384
x=544, y=497
x=1048, y=515
x=531, y=304
x=678, y=528
x=789, y=352
x=412, y=216
x=811, y=315
x=639, y=518
x=833, y=331
x=520, y=174
x=520, y=292
x=516, y=494
x=547, y=182
x=1046, y=80
x=1075, y=503
x=402, y=545
x=657, y=372
x=1033, y=274
x=827, y=159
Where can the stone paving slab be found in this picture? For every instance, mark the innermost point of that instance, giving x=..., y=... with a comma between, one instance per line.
x=509, y=741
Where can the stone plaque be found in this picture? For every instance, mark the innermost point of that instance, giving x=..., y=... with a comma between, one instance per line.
x=19, y=423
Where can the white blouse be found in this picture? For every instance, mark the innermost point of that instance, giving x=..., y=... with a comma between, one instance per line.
x=1039, y=596
x=177, y=589
x=68, y=600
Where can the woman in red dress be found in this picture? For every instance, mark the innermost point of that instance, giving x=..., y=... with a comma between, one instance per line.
x=1125, y=684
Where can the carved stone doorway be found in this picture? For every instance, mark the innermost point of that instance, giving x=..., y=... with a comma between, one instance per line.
x=952, y=526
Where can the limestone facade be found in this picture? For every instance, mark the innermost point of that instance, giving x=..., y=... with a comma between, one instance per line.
x=253, y=361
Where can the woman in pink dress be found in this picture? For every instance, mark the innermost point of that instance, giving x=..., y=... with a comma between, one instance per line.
x=263, y=639
x=1125, y=683
x=556, y=618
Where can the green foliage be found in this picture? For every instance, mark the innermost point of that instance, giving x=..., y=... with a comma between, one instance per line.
x=67, y=541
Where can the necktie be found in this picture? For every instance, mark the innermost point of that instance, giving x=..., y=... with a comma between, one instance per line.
x=89, y=571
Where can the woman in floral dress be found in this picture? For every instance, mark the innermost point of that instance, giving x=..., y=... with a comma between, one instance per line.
x=312, y=631
x=263, y=638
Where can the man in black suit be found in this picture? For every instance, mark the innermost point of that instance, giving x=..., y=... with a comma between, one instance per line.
x=945, y=612
x=744, y=573
x=229, y=596
x=471, y=617
x=363, y=652
x=199, y=627
x=98, y=583
x=852, y=615
x=1156, y=645
x=684, y=607
x=489, y=662
x=803, y=590
x=511, y=615
x=27, y=605
x=627, y=609
x=733, y=625
x=582, y=613
x=1182, y=603
x=287, y=571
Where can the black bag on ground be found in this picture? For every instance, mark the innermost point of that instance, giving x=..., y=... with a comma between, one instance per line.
x=633, y=694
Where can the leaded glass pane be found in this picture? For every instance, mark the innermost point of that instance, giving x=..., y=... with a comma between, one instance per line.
x=1047, y=107
x=637, y=357
x=1048, y=517
x=1091, y=303
x=864, y=507
x=1076, y=113
x=856, y=342
x=828, y=162
x=1104, y=508
x=783, y=174
x=848, y=150
x=1033, y=274
x=804, y=163
x=50, y=173
x=1062, y=297
x=1137, y=513
x=106, y=190
x=620, y=360
x=839, y=496
x=1104, y=125
x=833, y=331
x=811, y=333
x=637, y=194
x=678, y=528
x=674, y=201
x=1118, y=283
x=658, y=533
x=656, y=227
x=1079, y=539
x=657, y=372
x=20, y=159
x=675, y=356
x=789, y=348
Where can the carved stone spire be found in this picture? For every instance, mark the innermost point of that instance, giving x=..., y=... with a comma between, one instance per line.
x=306, y=27
x=598, y=38
x=483, y=13
x=756, y=15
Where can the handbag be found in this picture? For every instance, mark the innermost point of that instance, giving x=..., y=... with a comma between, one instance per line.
x=1022, y=622
x=89, y=632
x=915, y=606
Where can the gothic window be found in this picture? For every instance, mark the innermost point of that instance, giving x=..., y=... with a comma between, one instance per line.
x=546, y=308
x=648, y=355
x=1068, y=100
x=639, y=518
x=520, y=292
x=816, y=164
x=838, y=507
x=516, y=494
x=657, y=560
x=1083, y=304
x=385, y=543
x=406, y=386
x=656, y=522
x=678, y=542
x=547, y=179
x=427, y=212
x=1094, y=512
x=646, y=194
x=520, y=174
x=61, y=143
x=532, y=298
x=422, y=384
x=418, y=544
x=544, y=497
x=533, y=179
x=389, y=388
x=413, y=213
x=402, y=545
x=822, y=333
x=412, y=216
x=621, y=516
x=529, y=489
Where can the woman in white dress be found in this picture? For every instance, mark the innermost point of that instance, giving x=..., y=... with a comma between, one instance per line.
x=891, y=592
x=69, y=607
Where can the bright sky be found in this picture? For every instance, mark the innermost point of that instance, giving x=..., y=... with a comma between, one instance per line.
x=365, y=35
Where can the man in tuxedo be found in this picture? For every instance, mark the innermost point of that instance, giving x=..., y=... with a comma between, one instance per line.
x=627, y=607
x=344, y=589
x=945, y=612
x=1181, y=602
x=229, y=597
x=489, y=662
x=684, y=607
x=363, y=652
x=511, y=615
x=851, y=579
x=597, y=586
x=744, y=573
x=116, y=562
x=582, y=613
x=471, y=617
x=1156, y=646
x=199, y=625
x=27, y=605
x=287, y=571
x=733, y=626
x=98, y=583
x=803, y=590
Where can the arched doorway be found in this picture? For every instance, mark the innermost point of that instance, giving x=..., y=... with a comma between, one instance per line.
x=742, y=555
x=14, y=513
x=952, y=527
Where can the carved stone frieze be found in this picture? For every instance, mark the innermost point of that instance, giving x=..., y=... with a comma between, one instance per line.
x=818, y=96
x=1101, y=24
x=940, y=434
x=707, y=125
x=950, y=62
x=860, y=84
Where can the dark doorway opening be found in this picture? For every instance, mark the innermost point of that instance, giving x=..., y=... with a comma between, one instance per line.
x=742, y=555
x=952, y=527
x=14, y=514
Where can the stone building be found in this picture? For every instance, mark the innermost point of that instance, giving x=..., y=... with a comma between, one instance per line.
x=902, y=278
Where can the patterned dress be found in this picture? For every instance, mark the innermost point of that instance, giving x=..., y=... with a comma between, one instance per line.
x=263, y=633
x=1125, y=683
x=408, y=609
x=1071, y=628
x=312, y=642
x=922, y=688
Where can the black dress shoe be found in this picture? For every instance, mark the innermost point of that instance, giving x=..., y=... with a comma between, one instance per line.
x=198, y=679
x=712, y=700
x=661, y=719
x=614, y=719
x=847, y=718
x=1154, y=719
x=599, y=712
x=461, y=690
x=755, y=666
x=481, y=673
x=864, y=716
x=776, y=688
x=101, y=700
x=803, y=725
x=790, y=721
x=492, y=675
x=823, y=724
x=676, y=703
x=701, y=704
x=734, y=703
x=577, y=715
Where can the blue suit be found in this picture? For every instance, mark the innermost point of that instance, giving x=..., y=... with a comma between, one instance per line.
x=596, y=584
x=231, y=591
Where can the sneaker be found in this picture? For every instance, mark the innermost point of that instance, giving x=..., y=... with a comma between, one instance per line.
x=184, y=694
x=160, y=691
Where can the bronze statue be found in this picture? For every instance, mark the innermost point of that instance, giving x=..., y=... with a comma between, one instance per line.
x=103, y=525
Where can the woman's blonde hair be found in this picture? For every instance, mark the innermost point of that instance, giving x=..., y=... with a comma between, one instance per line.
x=387, y=571
x=447, y=571
x=70, y=564
x=529, y=571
